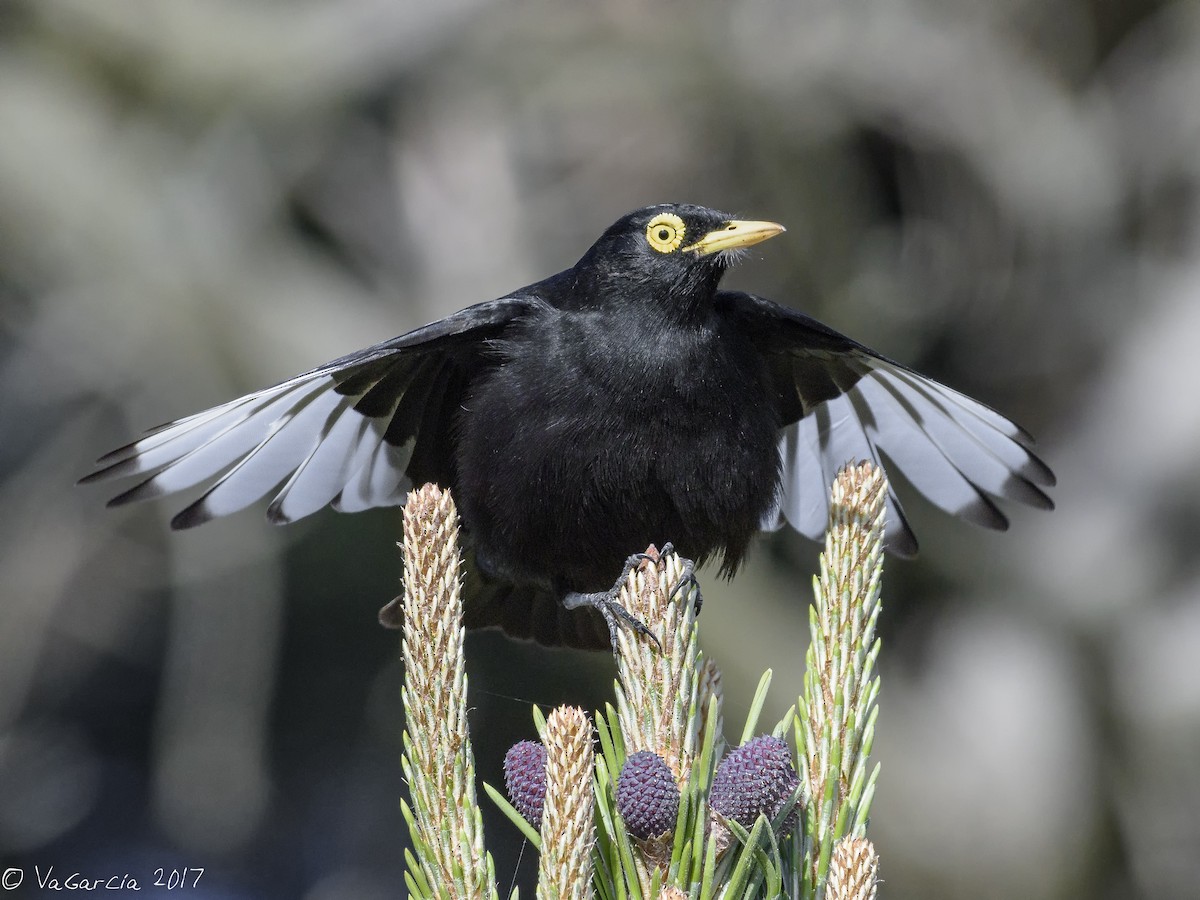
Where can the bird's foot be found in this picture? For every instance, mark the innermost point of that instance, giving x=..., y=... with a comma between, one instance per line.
x=606, y=603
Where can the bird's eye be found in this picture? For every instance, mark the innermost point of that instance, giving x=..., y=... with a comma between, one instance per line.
x=665, y=232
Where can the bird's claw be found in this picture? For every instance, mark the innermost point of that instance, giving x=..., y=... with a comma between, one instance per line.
x=615, y=615
x=686, y=581
x=606, y=602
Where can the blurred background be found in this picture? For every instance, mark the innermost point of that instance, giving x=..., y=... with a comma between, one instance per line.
x=200, y=198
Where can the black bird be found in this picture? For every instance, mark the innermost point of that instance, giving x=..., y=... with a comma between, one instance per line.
x=624, y=401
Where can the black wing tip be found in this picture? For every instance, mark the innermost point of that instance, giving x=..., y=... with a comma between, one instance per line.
x=899, y=538
x=1024, y=491
x=1036, y=471
x=276, y=515
x=902, y=544
x=1023, y=436
x=129, y=450
x=191, y=516
x=984, y=513
x=119, y=455
x=116, y=469
x=144, y=490
x=994, y=524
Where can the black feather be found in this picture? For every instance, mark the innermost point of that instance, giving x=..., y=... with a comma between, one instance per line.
x=622, y=402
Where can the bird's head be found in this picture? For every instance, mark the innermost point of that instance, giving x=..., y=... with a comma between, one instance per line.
x=673, y=249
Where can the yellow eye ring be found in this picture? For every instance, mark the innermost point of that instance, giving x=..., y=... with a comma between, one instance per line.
x=665, y=232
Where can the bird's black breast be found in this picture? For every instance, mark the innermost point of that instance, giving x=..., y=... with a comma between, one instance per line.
x=597, y=433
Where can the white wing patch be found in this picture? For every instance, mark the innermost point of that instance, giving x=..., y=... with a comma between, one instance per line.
x=378, y=481
x=953, y=449
x=301, y=433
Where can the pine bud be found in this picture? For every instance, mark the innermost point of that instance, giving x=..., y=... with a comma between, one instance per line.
x=756, y=778
x=525, y=779
x=647, y=796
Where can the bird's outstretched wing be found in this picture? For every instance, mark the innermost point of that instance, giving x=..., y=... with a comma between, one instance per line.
x=354, y=433
x=841, y=401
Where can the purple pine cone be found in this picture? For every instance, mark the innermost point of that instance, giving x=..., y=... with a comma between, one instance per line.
x=525, y=779
x=647, y=796
x=757, y=777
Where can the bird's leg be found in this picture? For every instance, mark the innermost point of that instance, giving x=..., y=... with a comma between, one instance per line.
x=606, y=603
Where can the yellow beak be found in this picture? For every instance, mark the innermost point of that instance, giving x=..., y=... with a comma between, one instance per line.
x=734, y=235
